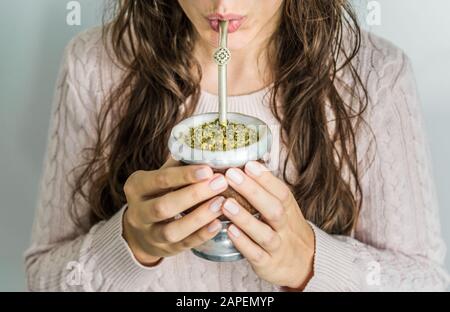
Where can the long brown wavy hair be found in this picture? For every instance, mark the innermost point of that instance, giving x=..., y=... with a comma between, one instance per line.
x=153, y=42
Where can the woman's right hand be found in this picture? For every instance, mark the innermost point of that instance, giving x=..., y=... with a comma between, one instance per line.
x=149, y=226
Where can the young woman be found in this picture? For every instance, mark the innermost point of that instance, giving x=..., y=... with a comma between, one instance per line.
x=350, y=205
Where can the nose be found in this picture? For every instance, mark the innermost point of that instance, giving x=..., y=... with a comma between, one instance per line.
x=221, y=6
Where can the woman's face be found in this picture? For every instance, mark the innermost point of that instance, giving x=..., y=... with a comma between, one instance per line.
x=250, y=20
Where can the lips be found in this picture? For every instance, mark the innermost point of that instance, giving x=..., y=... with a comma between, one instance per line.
x=235, y=21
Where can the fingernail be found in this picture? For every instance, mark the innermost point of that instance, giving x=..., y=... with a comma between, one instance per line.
x=218, y=183
x=235, y=176
x=231, y=207
x=214, y=227
x=203, y=174
x=234, y=230
x=216, y=205
x=254, y=168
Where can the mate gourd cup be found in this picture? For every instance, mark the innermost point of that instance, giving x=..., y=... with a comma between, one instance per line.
x=221, y=248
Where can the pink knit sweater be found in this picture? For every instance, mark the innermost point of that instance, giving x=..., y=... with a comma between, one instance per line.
x=397, y=244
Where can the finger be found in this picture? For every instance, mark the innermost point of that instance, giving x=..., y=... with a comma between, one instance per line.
x=269, y=182
x=171, y=204
x=271, y=208
x=258, y=231
x=179, y=229
x=171, y=162
x=148, y=183
x=249, y=249
x=201, y=236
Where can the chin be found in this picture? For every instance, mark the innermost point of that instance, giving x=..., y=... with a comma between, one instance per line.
x=236, y=41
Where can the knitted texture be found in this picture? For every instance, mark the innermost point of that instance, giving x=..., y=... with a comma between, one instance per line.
x=397, y=244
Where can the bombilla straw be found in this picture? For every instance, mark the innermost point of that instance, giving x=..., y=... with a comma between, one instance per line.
x=222, y=56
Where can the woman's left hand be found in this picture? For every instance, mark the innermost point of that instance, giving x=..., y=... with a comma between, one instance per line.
x=280, y=246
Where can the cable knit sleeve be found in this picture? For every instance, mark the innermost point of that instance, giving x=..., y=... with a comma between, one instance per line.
x=397, y=244
x=61, y=258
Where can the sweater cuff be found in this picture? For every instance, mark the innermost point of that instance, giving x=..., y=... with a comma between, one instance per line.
x=115, y=259
x=334, y=265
